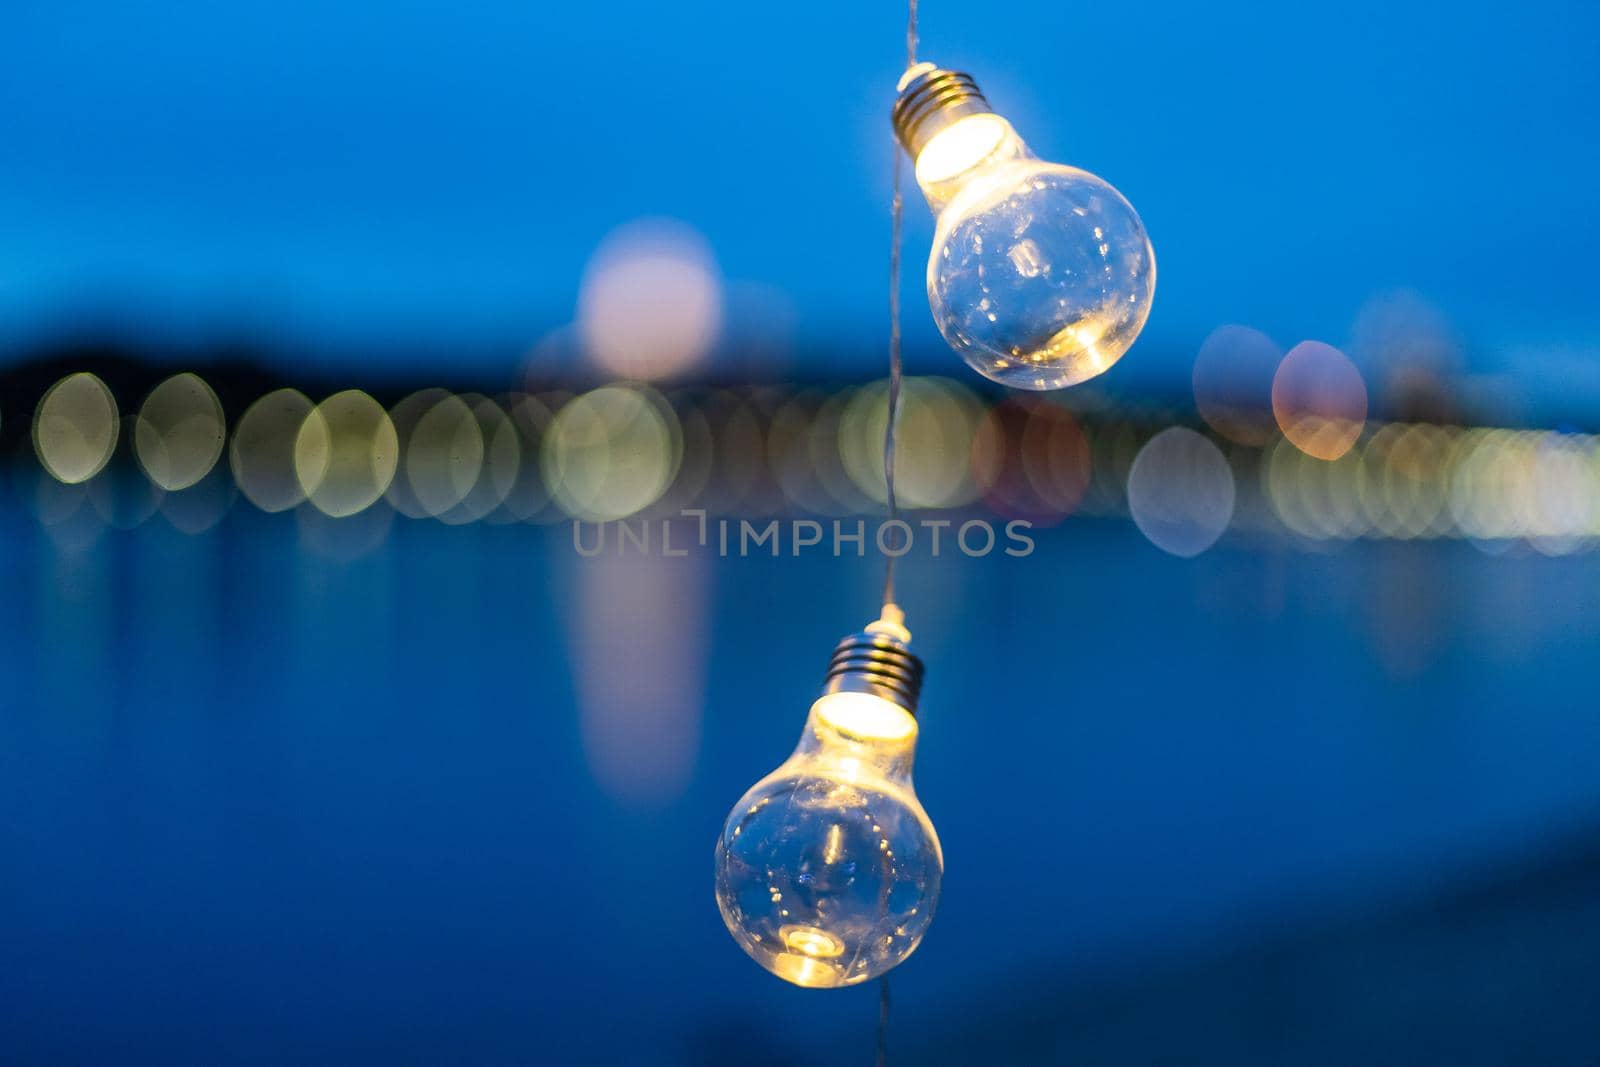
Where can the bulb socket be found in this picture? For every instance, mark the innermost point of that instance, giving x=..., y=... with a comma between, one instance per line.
x=876, y=664
x=931, y=98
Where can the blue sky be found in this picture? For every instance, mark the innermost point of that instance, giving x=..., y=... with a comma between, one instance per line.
x=360, y=172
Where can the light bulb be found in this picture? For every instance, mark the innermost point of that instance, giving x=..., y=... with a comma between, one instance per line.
x=1040, y=275
x=828, y=869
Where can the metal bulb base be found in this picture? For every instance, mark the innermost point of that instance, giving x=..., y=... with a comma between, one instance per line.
x=877, y=664
x=931, y=99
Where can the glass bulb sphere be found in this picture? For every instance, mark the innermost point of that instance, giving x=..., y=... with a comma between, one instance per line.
x=1040, y=275
x=828, y=869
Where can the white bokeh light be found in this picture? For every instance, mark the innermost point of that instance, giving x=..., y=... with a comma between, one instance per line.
x=1181, y=492
x=651, y=302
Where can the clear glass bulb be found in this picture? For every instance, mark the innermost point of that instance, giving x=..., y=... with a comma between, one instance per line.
x=1040, y=275
x=828, y=869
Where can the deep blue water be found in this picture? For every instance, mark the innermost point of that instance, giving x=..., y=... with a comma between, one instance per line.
x=265, y=798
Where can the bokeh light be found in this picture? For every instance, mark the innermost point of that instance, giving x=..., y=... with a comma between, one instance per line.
x=1031, y=458
x=1490, y=470
x=444, y=455
x=346, y=453
x=1181, y=491
x=1232, y=379
x=179, y=432
x=500, y=467
x=1315, y=498
x=1410, y=349
x=791, y=453
x=611, y=452
x=261, y=453
x=1404, y=474
x=770, y=450
x=736, y=476
x=528, y=498
x=827, y=460
x=1056, y=457
x=1112, y=449
x=651, y=300
x=1319, y=400
x=1564, y=503
x=405, y=416
x=75, y=428
x=934, y=433
x=691, y=486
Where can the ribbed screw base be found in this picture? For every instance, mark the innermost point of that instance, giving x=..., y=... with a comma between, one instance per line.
x=878, y=664
x=930, y=99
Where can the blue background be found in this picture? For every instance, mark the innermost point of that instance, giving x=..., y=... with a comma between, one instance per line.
x=326, y=178
x=265, y=804
x=269, y=797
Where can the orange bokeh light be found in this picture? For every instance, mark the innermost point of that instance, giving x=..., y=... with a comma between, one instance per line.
x=1319, y=400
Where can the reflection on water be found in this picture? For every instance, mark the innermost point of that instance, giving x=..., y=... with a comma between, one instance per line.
x=640, y=649
x=351, y=775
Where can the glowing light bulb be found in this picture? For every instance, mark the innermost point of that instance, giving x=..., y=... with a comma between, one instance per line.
x=1041, y=275
x=828, y=869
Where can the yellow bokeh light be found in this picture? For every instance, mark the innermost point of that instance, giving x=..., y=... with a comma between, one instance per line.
x=611, y=453
x=501, y=465
x=1404, y=478
x=1489, y=468
x=346, y=453
x=75, y=428
x=625, y=449
x=826, y=436
x=527, y=500
x=444, y=455
x=937, y=424
x=179, y=432
x=1330, y=493
x=262, y=452
x=405, y=415
x=1318, y=499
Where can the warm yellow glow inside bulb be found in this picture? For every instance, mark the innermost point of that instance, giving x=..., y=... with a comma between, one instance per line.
x=866, y=717
x=809, y=941
x=808, y=971
x=959, y=147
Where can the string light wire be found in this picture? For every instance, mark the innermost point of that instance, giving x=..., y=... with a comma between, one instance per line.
x=896, y=228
